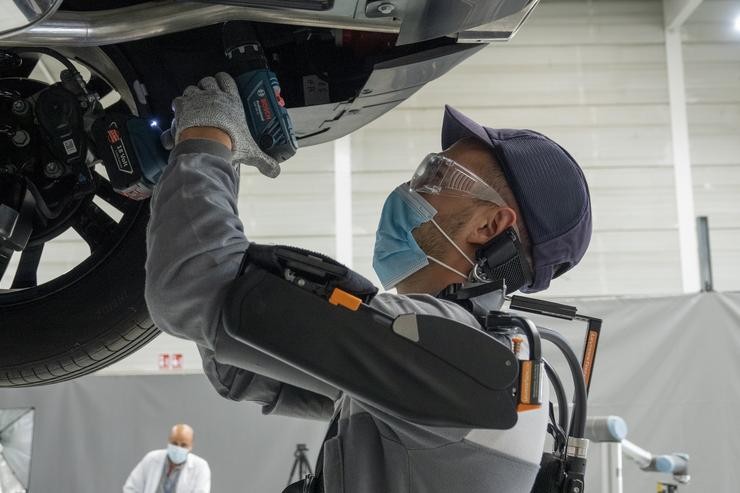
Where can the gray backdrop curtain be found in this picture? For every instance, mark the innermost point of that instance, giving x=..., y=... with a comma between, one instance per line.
x=669, y=366
x=89, y=433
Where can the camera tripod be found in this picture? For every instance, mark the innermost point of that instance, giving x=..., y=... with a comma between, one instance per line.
x=300, y=464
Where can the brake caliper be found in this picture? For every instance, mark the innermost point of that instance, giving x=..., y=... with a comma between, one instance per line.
x=60, y=120
x=43, y=152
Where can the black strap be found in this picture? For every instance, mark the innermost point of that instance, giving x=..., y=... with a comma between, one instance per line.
x=330, y=433
x=314, y=483
x=310, y=266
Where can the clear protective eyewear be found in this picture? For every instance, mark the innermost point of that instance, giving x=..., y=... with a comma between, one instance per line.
x=440, y=175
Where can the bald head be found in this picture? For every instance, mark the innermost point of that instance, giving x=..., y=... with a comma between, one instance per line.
x=182, y=436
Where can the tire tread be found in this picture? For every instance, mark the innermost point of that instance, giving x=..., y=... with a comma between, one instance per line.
x=41, y=373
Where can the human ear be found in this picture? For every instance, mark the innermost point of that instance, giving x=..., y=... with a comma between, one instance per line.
x=490, y=223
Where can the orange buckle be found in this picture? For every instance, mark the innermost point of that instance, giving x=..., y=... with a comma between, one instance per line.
x=343, y=298
x=520, y=408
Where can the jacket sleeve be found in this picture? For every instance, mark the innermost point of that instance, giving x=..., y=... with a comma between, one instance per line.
x=135, y=481
x=195, y=245
x=203, y=483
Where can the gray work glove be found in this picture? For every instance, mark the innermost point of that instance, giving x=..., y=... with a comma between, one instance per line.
x=216, y=103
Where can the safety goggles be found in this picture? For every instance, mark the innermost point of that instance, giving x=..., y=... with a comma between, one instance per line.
x=440, y=175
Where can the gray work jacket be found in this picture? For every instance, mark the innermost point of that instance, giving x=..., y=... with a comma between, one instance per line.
x=196, y=243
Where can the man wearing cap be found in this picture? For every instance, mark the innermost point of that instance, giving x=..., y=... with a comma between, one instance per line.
x=514, y=189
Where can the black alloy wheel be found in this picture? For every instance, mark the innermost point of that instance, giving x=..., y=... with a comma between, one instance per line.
x=58, y=327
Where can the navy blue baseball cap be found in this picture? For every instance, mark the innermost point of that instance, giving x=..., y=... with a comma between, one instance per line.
x=549, y=188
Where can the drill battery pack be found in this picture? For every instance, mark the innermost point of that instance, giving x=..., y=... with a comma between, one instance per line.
x=132, y=153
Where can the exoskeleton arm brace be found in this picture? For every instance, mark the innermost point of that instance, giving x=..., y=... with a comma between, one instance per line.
x=304, y=319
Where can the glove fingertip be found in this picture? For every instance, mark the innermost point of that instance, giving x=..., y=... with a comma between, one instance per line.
x=190, y=91
x=270, y=169
x=208, y=83
x=227, y=83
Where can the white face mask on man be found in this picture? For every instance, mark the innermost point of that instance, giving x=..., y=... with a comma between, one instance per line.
x=177, y=455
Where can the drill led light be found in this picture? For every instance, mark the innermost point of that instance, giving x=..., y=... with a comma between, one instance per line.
x=153, y=123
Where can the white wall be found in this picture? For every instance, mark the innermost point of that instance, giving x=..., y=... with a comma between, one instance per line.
x=712, y=65
x=298, y=207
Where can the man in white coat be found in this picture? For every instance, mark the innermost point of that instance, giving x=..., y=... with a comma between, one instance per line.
x=172, y=470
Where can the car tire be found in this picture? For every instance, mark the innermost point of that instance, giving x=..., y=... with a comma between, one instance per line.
x=76, y=324
x=95, y=314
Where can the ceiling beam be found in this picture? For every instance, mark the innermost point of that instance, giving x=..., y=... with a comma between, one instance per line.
x=676, y=12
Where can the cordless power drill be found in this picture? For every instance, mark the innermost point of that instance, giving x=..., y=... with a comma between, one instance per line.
x=130, y=147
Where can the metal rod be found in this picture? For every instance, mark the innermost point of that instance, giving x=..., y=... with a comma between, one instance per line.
x=152, y=19
x=705, y=254
x=611, y=468
x=642, y=457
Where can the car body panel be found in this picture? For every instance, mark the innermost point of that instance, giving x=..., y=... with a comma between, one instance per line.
x=390, y=83
x=429, y=19
x=414, y=20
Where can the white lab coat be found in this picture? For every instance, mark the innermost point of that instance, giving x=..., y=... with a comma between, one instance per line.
x=194, y=478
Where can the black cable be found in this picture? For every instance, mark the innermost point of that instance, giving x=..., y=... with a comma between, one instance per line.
x=43, y=206
x=562, y=399
x=9, y=94
x=558, y=435
x=578, y=427
x=47, y=51
x=9, y=59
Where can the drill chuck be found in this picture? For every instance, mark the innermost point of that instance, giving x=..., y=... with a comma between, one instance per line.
x=242, y=48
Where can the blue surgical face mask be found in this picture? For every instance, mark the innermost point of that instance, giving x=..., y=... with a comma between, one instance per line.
x=397, y=255
x=177, y=455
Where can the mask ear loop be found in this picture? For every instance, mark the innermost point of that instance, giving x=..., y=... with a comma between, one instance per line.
x=453, y=244
x=448, y=267
x=456, y=248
